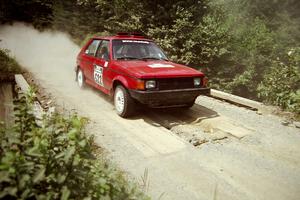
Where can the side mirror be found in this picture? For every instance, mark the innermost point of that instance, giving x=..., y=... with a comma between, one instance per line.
x=87, y=51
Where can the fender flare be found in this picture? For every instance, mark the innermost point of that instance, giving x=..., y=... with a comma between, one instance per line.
x=118, y=80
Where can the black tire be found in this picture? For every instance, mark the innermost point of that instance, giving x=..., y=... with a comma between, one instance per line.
x=80, y=79
x=123, y=99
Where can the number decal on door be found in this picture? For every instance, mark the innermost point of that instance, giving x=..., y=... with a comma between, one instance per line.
x=98, y=75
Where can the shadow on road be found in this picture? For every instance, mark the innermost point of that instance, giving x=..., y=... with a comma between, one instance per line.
x=166, y=117
x=169, y=117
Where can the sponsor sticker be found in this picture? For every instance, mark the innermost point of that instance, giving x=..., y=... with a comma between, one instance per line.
x=105, y=64
x=159, y=65
x=136, y=41
x=98, y=75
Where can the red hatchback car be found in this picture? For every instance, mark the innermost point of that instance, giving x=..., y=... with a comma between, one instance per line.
x=132, y=69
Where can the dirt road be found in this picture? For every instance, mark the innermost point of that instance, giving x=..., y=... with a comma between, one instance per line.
x=213, y=151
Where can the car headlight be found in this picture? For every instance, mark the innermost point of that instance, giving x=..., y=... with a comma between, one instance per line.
x=150, y=84
x=197, y=82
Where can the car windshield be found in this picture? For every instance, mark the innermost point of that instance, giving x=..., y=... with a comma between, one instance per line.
x=136, y=50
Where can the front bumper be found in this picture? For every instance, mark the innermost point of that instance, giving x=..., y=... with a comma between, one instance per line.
x=168, y=97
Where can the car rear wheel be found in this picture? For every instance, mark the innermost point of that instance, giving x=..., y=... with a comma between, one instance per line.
x=123, y=102
x=80, y=79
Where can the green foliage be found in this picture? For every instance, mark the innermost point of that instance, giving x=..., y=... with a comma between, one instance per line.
x=249, y=54
x=259, y=32
x=78, y=20
x=8, y=64
x=55, y=161
x=37, y=12
x=83, y=17
x=281, y=85
x=169, y=36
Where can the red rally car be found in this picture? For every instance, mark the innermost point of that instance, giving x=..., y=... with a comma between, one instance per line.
x=132, y=69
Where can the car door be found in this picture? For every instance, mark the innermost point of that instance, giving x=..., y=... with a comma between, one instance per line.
x=101, y=64
x=88, y=59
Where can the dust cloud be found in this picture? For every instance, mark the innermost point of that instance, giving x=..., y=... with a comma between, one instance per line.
x=38, y=51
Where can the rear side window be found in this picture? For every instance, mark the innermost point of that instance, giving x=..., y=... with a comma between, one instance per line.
x=103, y=50
x=91, y=50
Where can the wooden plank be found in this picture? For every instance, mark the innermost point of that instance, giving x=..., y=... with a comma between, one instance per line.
x=237, y=99
x=22, y=83
x=6, y=104
x=24, y=86
x=225, y=125
x=262, y=108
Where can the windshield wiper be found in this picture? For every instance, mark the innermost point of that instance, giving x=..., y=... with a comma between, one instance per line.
x=127, y=58
x=153, y=58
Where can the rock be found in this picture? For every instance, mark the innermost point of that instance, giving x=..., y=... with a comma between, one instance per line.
x=285, y=123
x=259, y=112
x=49, y=102
x=297, y=124
x=196, y=142
x=50, y=111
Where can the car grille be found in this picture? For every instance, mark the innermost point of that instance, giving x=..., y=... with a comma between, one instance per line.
x=175, y=83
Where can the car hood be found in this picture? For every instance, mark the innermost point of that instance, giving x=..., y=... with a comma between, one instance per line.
x=157, y=69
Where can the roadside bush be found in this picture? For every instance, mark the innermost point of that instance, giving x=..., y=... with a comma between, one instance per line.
x=8, y=64
x=281, y=85
x=54, y=160
x=197, y=43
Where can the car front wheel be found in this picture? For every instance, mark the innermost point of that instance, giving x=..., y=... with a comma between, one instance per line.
x=123, y=102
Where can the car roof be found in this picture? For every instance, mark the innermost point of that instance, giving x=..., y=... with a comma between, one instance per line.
x=123, y=37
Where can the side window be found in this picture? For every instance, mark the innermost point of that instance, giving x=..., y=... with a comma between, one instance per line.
x=103, y=50
x=91, y=50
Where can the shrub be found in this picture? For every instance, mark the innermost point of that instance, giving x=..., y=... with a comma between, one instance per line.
x=281, y=84
x=8, y=64
x=54, y=160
